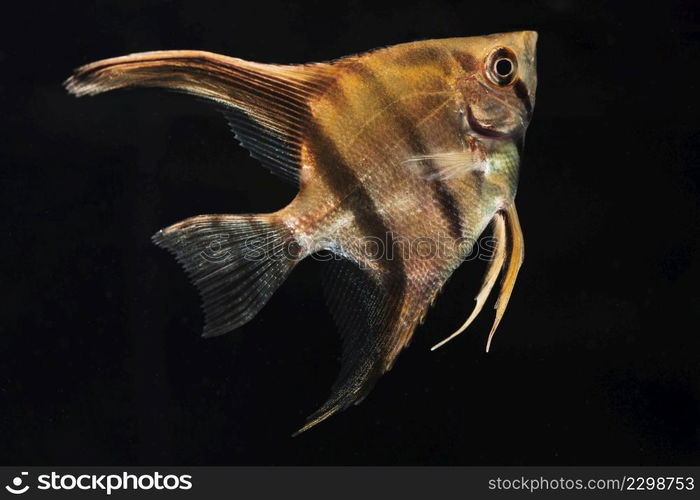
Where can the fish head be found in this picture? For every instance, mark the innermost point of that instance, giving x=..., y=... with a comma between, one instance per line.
x=498, y=82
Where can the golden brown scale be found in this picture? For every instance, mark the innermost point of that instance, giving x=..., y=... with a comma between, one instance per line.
x=402, y=155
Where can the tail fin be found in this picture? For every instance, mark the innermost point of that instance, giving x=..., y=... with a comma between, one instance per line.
x=236, y=261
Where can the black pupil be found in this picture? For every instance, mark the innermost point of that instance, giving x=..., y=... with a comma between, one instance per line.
x=504, y=67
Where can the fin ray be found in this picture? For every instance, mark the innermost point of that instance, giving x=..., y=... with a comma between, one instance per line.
x=236, y=261
x=266, y=105
x=494, y=269
x=507, y=261
x=371, y=315
x=516, y=254
x=448, y=165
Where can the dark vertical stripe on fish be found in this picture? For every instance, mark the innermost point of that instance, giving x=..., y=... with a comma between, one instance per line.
x=449, y=206
x=339, y=177
x=448, y=203
x=521, y=93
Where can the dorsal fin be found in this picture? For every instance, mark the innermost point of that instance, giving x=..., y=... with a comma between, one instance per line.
x=266, y=104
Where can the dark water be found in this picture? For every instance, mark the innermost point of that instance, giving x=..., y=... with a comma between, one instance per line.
x=596, y=361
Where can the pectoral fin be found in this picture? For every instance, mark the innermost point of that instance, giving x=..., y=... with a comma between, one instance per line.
x=446, y=166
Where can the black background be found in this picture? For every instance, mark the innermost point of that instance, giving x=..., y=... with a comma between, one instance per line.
x=596, y=361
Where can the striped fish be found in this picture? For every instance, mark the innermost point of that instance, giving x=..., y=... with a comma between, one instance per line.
x=403, y=156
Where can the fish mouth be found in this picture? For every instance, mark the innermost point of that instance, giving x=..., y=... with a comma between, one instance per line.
x=494, y=132
x=480, y=129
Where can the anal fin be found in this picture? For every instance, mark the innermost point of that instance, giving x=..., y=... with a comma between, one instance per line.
x=375, y=323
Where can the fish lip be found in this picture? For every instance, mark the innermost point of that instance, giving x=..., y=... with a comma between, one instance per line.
x=476, y=127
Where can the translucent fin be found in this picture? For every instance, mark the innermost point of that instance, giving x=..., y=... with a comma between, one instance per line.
x=516, y=255
x=236, y=262
x=494, y=269
x=448, y=165
x=266, y=104
x=376, y=316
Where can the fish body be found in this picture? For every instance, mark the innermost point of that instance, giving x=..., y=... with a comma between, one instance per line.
x=403, y=156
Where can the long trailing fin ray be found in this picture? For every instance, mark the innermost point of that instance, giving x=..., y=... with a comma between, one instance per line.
x=492, y=272
x=516, y=255
x=266, y=104
x=236, y=262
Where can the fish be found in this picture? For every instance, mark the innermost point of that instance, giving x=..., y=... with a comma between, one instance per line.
x=403, y=156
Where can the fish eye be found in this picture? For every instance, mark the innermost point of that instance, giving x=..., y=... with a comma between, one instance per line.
x=502, y=66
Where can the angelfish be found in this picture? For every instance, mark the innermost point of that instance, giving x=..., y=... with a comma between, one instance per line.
x=415, y=143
